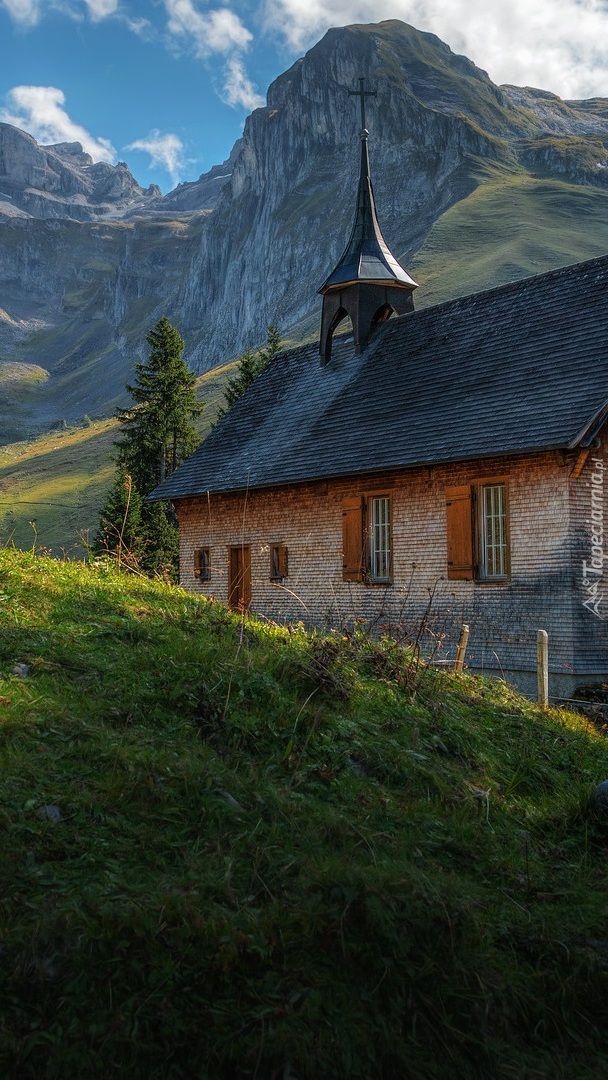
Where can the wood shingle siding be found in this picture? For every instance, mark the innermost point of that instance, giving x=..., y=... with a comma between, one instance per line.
x=547, y=540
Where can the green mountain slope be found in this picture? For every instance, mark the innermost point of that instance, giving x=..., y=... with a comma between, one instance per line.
x=234, y=850
x=52, y=487
x=511, y=226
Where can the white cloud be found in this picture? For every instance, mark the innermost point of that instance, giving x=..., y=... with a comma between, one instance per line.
x=29, y=12
x=25, y=12
x=39, y=111
x=101, y=9
x=141, y=27
x=558, y=46
x=211, y=32
x=239, y=91
x=166, y=152
x=218, y=31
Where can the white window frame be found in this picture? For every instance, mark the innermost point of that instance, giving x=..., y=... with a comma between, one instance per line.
x=493, y=523
x=380, y=561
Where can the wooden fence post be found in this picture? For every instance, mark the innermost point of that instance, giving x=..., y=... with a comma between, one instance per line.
x=462, y=648
x=542, y=667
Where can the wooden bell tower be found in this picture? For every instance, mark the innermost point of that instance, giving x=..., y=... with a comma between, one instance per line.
x=368, y=284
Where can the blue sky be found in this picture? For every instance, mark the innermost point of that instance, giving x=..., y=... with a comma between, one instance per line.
x=166, y=84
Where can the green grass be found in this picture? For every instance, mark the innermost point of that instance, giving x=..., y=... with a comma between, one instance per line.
x=14, y=374
x=53, y=487
x=511, y=226
x=236, y=850
x=58, y=482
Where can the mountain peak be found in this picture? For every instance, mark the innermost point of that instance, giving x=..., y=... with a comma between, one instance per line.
x=475, y=185
x=62, y=181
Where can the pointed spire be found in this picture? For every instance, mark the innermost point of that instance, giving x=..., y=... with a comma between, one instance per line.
x=367, y=256
x=368, y=284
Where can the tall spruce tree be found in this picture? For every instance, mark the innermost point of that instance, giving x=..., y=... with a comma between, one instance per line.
x=249, y=367
x=157, y=436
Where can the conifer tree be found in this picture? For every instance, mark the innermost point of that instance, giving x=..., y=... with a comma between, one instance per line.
x=157, y=436
x=158, y=431
x=249, y=367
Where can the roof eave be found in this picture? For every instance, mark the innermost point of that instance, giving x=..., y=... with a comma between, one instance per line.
x=335, y=286
x=589, y=432
x=422, y=463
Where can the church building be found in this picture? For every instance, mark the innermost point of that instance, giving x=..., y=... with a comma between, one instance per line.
x=440, y=466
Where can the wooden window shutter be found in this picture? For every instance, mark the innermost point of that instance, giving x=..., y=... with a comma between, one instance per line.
x=352, y=538
x=459, y=508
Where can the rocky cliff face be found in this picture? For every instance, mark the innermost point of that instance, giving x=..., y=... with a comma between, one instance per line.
x=62, y=181
x=88, y=260
x=201, y=194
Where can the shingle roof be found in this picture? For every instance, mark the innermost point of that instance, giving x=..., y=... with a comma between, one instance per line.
x=519, y=368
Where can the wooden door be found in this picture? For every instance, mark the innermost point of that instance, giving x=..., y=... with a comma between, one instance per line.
x=239, y=579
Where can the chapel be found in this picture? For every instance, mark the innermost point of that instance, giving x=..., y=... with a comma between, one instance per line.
x=434, y=467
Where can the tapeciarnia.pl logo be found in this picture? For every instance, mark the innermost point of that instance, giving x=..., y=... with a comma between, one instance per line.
x=593, y=570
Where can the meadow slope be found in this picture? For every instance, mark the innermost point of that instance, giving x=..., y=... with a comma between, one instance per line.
x=236, y=850
x=53, y=487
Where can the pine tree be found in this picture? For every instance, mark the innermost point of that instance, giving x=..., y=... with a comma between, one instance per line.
x=249, y=367
x=158, y=435
x=158, y=428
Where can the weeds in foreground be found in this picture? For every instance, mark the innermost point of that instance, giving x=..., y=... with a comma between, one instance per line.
x=235, y=850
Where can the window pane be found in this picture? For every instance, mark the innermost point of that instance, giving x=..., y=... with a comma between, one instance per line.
x=494, y=531
x=381, y=539
x=202, y=564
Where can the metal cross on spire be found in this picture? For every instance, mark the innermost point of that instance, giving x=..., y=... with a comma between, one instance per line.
x=362, y=93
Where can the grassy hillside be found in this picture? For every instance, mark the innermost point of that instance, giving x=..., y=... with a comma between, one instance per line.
x=512, y=226
x=53, y=487
x=233, y=850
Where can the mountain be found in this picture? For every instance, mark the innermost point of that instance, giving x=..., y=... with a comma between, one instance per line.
x=61, y=181
x=475, y=184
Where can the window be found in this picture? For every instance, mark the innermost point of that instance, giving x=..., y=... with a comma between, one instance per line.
x=367, y=538
x=478, y=531
x=493, y=531
x=278, y=562
x=380, y=538
x=202, y=564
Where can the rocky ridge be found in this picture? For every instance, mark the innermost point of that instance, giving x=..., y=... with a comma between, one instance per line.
x=62, y=181
x=89, y=259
